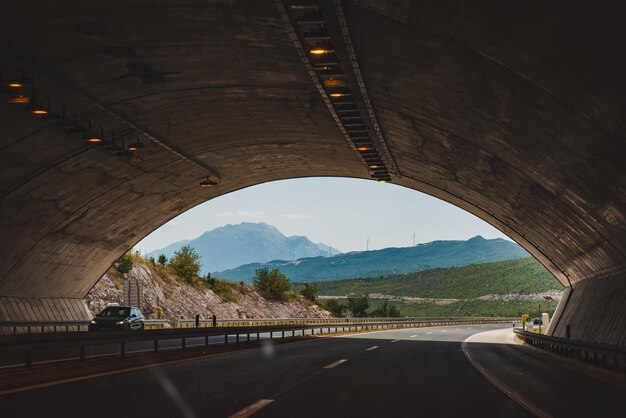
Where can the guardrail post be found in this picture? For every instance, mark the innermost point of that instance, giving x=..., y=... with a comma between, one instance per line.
x=183, y=342
x=248, y=340
x=206, y=340
x=283, y=334
x=226, y=339
x=156, y=346
x=237, y=338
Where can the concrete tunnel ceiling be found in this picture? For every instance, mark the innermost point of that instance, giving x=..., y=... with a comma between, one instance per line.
x=514, y=112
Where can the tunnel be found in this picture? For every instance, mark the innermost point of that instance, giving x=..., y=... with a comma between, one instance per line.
x=512, y=112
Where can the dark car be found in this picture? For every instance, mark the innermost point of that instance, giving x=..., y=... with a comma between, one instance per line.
x=118, y=318
x=537, y=321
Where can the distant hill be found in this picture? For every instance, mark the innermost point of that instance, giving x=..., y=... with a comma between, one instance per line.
x=233, y=245
x=521, y=277
x=387, y=261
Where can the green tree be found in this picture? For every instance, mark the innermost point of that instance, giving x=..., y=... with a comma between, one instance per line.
x=358, y=305
x=125, y=263
x=335, y=308
x=386, y=310
x=162, y=259
x=271, y=284
x=310, y=291
x=185, y=263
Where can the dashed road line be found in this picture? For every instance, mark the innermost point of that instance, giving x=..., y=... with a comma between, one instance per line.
x=252, y=408
x=413, y=336
x=394, y=341
x=335, y=364
x=374, y=347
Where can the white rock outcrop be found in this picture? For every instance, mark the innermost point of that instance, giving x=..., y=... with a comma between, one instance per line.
x=181, y=300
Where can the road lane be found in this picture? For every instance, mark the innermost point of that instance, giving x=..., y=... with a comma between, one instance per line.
x=426, y=374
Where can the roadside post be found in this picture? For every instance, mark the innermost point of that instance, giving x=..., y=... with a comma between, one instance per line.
x=197, y=320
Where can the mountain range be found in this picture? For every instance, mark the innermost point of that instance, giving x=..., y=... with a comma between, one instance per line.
x=436, y=254
x=231, y=246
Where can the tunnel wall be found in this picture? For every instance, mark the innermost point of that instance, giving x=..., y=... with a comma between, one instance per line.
x=14, y=310
x=595, y=311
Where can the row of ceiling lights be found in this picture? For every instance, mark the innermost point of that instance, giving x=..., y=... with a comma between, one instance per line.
x=16, y=89
x=322, y=56
x=17, y=95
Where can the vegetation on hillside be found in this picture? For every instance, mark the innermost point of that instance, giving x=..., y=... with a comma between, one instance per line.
x=437, y=254
x=521, y=276
x=273, y=284
x=471, y=307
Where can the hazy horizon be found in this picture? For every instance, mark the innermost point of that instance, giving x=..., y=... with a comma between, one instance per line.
x=333, y=211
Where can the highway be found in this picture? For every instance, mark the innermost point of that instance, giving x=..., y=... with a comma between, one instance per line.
x=397, y=373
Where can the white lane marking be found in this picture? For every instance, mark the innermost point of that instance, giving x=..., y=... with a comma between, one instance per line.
x=413, y=336
x=374, y=347
x=429, y=332
x=443, y=330
x=252, y=409
x=394, y=341
x=335, y=364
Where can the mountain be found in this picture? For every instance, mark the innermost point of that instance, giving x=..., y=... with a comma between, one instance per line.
x=233, y=245
x=427, y=256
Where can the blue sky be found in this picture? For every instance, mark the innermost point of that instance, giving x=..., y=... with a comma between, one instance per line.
x=337, y=211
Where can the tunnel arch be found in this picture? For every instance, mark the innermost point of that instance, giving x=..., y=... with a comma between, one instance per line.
x=514, y=113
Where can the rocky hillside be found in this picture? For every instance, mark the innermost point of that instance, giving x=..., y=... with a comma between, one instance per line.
x=179, y=299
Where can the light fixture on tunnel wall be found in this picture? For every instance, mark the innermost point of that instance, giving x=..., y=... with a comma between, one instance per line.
x=93, y=138
x=34, y=108
x=136, y=145
x=18, y=99
x=207, y=182
x=19, y=82
x=321, y=48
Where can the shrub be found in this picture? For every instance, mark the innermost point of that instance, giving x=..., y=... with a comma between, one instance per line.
x=185, y=263
x=162, y=259
x=271, y=284
x=310, y=291
x=358, y=305
x=335, y=308
x=125, y=263
x=386, y=310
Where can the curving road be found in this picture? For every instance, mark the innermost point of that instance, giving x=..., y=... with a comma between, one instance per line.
x=408, y=372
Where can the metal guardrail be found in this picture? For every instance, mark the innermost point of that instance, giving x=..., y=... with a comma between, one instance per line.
x=30, y=342
x=602, y=354
x=27, y=327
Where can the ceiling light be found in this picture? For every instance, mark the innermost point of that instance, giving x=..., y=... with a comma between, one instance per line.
x=373, y=166
x=363, y=148
x=19, y=82
x=334, y=82
x=208, y=183
x=93, y=138
x=136, y=145
x=19, y=99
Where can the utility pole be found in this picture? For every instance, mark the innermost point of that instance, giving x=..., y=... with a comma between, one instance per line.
x=414, y=238
x=367, y=243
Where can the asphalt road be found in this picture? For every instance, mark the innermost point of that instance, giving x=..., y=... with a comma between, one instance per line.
x=407, y=372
